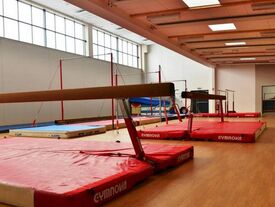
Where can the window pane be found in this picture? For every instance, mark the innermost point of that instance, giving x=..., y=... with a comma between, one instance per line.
x=120, y=58
x=135, y=62
x=107, y=52
x=10, y=8
x=135, y=50
x=120, y=45
x=107, y=40
x=79, y=31
x=70, y=47
x=69, y=27
x=79, y=47
x=60, y=24
x=125, y=48
x=94, y=36
x=11, y=29
x=101, y=53
x=125, y=59
x=1, y=27
x=24, y=12
x=130, y=60
x=37, y=17
x=50, y=39
x=114, y=43
x=130, y=48
x=95, y=51
x=50, y=21
x=38, y=36
x=100, y=38
x=60, y=42
x=25, y=32
x=1, y=7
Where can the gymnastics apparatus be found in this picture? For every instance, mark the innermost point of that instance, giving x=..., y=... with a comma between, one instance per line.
x=44, y=172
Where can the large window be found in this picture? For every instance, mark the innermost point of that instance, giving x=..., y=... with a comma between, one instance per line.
x=28, y=23
x=124, y=51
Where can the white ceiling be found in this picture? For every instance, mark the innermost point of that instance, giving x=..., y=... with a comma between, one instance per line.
x=75, y=12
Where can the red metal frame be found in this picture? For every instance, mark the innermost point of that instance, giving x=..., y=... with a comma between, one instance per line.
x=112, y=84
x=61, y=87
x=132, y=130
x=176, y=109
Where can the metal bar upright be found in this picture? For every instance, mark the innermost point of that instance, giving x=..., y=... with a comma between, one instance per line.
x=132, y=130
x=160, y=110
x=61, y=87
x=221, y=111
x=112, y=84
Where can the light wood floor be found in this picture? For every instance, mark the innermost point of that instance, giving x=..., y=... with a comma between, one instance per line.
x=221, y=175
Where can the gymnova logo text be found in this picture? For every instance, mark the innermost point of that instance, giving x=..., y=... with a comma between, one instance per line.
x=151, y=135
x=233, y=138
x=110, y=192
x=183, y=157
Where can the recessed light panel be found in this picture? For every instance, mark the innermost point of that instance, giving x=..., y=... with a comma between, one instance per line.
x=201, y=3
x=235, y=43
x=249, y=58
x=222, y=27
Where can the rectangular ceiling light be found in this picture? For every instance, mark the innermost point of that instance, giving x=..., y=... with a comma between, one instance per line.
x=201, y=3
x=222, y=27
x=249, y=58
x=235, y=43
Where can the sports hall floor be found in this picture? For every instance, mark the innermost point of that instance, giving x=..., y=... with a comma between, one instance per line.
x=221, y=174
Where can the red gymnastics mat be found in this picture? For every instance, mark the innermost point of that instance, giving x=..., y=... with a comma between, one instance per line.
x=168, y=131
x=60, y=173
x=245, y=114
x=207, y=130
x=237, y=114
x=227, y=131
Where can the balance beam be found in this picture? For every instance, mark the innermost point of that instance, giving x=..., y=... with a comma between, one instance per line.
x=194, y=95
x=117, y=92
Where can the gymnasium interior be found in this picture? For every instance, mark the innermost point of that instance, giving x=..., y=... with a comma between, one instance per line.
x=137, y=103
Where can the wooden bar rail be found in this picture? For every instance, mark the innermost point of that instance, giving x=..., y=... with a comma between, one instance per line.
x=195, y=95
x=151, y=90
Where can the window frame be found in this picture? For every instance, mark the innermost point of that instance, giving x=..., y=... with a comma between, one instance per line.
x=44, y=26
x=121, y=53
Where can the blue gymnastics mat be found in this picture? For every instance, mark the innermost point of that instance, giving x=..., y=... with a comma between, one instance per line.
x=6, y=128
x=58, y=131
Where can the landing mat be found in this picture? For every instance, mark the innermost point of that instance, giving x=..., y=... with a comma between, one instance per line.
x=57, y=173
x=58, y=131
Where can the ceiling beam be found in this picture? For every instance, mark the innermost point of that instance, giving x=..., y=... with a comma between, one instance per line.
x=234, y=55
x=242, y=62
x=226, y=39
x=231, y=32
x=235, y=48
x=247, y=56
x=119, y=17
x=182, y=9
x=216, y=19
x=231, y=47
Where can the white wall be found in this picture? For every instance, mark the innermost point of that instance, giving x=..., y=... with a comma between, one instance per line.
x=265, y=75
x=240, y=78
x=177, y=67
x=26, y=67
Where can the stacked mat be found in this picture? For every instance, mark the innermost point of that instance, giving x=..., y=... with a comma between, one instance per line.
x=58, y=131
